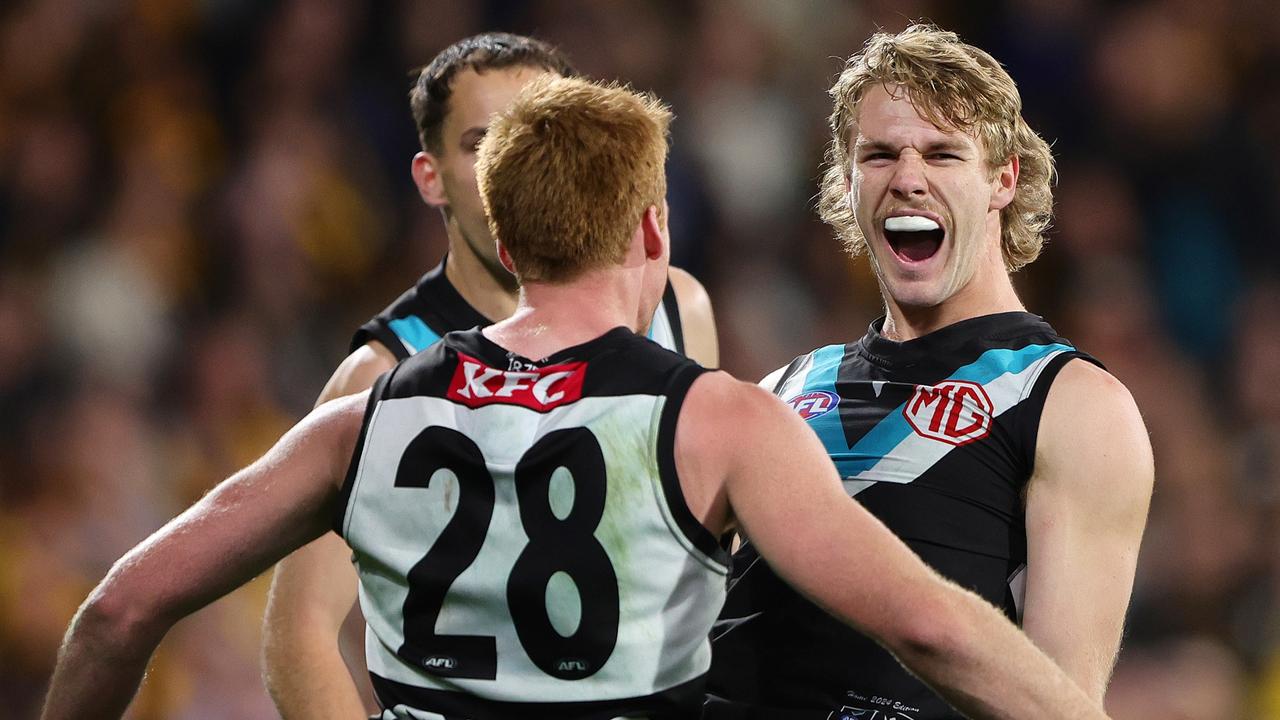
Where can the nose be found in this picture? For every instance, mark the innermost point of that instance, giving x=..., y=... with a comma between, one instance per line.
x=909, y=177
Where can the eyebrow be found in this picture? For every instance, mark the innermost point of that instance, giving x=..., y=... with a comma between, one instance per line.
x=954, y=146
x=473, y=133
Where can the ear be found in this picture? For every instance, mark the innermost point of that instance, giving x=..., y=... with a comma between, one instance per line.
x=426, y=175
x=1004, y=184
x=504, y=257
x=653, y=229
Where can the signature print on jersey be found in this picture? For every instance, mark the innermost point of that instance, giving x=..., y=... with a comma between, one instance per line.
x=956, y=412
x=852, y=713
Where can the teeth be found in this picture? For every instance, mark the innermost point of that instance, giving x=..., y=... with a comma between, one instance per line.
x=909, y=223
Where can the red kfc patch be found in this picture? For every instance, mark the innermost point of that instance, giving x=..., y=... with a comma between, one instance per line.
x=475, y=384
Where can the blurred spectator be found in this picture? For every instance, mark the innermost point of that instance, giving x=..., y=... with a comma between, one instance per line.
x=200, y=201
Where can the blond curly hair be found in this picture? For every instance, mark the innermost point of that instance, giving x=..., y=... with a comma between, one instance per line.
x=956, y=86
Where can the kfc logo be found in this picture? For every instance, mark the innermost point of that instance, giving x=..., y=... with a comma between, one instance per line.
x=955, y=412
x=475, y=384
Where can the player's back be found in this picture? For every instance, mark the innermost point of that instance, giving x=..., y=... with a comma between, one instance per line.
x=522, y=541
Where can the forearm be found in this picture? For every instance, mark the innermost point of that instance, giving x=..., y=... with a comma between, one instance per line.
x=307, y=677
x=312, y=593
x=311, y=680
x=100, y=665
x=984, y=666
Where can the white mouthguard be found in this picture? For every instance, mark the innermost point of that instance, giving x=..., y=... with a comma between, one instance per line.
x=909, y=223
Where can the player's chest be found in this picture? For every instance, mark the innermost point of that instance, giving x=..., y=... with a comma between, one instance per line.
x=952, y=435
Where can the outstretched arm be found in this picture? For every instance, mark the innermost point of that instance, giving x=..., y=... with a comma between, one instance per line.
x=700, y=341
x=782, y=489
x=312, y=592
x=235, y=532
x=1086, y=509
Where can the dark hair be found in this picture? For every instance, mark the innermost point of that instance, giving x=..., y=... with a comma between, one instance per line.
x=430, y=95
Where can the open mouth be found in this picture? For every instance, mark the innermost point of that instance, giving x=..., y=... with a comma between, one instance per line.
x=913, y=238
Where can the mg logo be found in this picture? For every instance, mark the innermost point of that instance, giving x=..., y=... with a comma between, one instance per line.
x=955, y=412
x=812, y=404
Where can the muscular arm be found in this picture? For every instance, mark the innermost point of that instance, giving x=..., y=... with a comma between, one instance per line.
x=312, y=593
x=700, y=341
x=257, y=516
x=1086, y=509
x=778, y=484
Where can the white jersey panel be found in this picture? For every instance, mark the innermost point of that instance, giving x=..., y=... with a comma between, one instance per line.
x=669, y=592
x=660, y=330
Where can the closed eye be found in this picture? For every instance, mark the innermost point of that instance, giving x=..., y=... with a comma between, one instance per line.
x=874, y=156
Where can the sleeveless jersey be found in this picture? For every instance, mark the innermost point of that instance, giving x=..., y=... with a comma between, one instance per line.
x=936, y=437
x=433, y=307
x=523, y=545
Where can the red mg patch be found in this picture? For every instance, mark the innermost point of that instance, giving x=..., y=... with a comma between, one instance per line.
x=956, y=411
x=475, y=384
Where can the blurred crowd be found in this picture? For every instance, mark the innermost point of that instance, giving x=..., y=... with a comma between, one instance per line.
x=200, y=201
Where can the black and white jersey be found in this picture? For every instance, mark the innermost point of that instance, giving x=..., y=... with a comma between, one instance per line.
x=523, y=545
x=936, y=437
x=432, y=307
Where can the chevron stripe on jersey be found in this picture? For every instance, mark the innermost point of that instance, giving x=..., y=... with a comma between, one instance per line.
x=433, y=307
x=890, y=451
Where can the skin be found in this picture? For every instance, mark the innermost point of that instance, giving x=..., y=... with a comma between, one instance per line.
x=1088, y=496
x=819, y=538
x=313, y=633
x=902, y=164
x=447, y=180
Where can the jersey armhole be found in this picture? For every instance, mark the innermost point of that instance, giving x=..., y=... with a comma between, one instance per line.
x=692, y=529
x=783, y=375
x=1035, y=400
x=672, y=307
x=353, y=469
x=378, y=330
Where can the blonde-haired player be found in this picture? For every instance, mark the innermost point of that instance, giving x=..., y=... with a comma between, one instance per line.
x=1008, y=460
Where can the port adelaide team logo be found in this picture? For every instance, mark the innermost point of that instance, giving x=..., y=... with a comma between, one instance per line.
x=956, y=412
x=814, y=404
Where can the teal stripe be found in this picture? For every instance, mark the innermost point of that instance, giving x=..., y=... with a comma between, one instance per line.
x=893, y=429
x=414, y=333
x=822, y=376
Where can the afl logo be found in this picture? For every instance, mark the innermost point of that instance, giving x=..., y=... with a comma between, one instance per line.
x=813, y=404
x=955, y=412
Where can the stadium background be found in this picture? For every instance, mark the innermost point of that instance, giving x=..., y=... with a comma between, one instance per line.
x=200, y=200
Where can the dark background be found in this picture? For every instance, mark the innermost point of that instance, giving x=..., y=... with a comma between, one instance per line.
x=199, y=201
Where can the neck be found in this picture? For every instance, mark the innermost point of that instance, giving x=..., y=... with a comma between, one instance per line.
x=987, y=292
x=550, y=317
x=474, y=281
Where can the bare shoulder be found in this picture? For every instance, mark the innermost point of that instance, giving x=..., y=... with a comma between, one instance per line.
x=689, y=292
x=1092, y=401
x=696, y=317
x=358, y=371
x=330, y=431
x=1091, y=430
x=734, y=419
x=726, y=426
x=721, y=398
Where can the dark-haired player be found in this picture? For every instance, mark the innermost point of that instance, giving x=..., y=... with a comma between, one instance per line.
x=314, y=590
